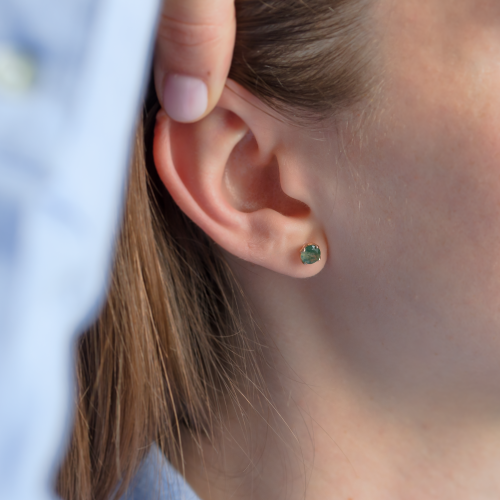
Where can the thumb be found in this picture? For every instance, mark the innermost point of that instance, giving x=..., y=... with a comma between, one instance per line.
x=193, y=54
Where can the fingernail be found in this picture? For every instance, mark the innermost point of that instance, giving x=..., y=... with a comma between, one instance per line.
x=184, y=98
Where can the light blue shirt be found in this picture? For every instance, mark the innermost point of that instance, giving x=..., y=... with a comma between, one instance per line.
x=65, y=140
x=158, y=480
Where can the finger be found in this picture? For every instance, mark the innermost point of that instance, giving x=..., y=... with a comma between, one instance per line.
x=193, y=54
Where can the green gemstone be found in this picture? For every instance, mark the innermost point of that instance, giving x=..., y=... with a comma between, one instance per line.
x=310, y=254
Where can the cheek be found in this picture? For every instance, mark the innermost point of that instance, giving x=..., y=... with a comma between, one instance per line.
x=430, y=189
x=432, y=158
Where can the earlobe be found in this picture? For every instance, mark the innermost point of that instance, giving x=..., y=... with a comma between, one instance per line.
x=225, y=172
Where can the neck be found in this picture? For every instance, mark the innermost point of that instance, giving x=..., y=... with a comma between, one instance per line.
x=359, y=408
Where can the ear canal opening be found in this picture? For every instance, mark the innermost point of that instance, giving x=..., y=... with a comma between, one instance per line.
x=253, y=185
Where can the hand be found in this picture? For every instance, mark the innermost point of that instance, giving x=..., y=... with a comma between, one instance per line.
x=193, y=54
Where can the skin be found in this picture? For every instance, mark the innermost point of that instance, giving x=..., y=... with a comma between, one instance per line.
x=382, y=364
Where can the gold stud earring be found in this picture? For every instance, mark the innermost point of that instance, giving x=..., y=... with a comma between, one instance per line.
x=310, y=253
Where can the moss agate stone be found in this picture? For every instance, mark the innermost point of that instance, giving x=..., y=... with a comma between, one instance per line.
x=310, y=254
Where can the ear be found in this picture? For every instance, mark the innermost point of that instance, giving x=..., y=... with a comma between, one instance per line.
x=230, y=174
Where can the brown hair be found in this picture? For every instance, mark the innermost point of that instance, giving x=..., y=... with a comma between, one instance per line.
x=168, y=344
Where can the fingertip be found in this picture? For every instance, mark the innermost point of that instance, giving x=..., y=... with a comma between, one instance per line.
x=193, y=56
x=185, y=98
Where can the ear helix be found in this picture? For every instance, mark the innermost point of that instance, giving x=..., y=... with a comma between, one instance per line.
x=310, y=253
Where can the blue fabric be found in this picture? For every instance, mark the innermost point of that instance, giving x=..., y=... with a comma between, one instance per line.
x=64, y=148
x=158, y=480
